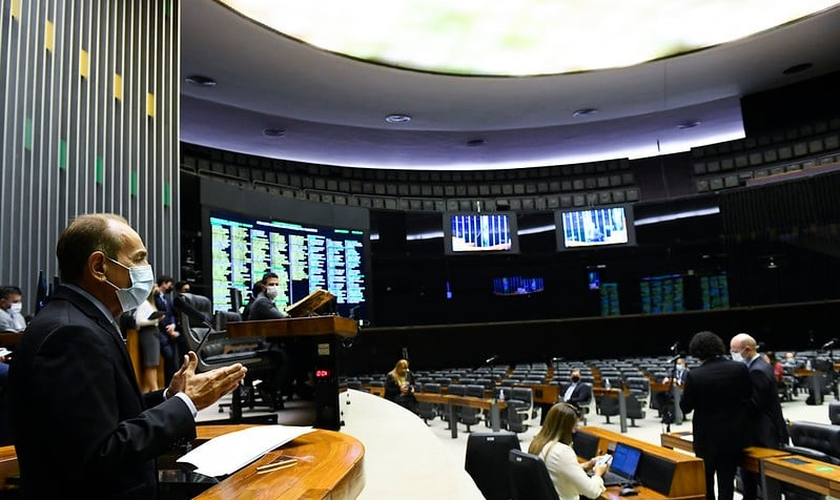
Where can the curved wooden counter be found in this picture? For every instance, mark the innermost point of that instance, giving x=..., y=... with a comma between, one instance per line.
x=331, y=466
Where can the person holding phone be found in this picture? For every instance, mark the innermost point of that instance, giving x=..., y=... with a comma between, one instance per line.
x=553, y=444
x=147, y=317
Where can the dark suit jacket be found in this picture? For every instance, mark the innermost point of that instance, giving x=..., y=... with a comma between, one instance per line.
x=768, y=423
x=79, y=420
x=264, y=308
x=718, y=391
x=580, y=395
x=168, y=310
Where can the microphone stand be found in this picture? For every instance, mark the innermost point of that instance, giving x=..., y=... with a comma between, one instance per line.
x=670, y=398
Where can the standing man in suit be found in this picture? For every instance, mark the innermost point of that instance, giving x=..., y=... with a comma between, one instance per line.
x=769, y=429
x=718, y=391
x=172, y=345
x=79, y=420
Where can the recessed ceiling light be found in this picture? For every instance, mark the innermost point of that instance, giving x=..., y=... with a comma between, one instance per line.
x=797, y=68
x=688, y=124
x=584, y=112
x=398, y=118
x=200, y=80
x=274, y=132
x=475, y=142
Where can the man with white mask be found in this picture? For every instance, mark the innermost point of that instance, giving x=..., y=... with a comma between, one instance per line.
x=264, y=305
x=769, y=429
x=79, y=420
x=11, y=310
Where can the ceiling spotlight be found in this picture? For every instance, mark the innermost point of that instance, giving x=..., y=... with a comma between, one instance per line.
x=274, y=132
x=475, y=142
x=200, y=81
x=584, y=112
x=688, y=124
x=797, y=68
x=398, y=118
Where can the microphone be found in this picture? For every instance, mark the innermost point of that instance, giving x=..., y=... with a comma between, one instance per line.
x=181, y=305
x=675, y=357
x=829, y=344
x=491, y=359
x=675, y=346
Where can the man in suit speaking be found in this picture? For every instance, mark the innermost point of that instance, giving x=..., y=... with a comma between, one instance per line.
x=79, y=421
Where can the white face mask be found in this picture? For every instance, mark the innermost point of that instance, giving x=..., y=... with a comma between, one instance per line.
x=736, y=356
x=272, y=291
x=16, y=307
x=142, y=282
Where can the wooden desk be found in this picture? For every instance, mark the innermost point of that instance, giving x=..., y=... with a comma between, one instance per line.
x=9, y=339
x=295, y=327
x=751, y=459
x=451, y=402
x=686, y=482
x=324, y=331
x=335, y=473
x=814, y=475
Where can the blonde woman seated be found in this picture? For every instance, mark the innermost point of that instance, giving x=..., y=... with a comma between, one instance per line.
x=398, y=386
x=553, y=443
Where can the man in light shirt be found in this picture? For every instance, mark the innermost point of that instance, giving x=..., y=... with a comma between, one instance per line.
x=11, y=310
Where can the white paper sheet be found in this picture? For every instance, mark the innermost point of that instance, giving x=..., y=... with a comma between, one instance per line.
x=228, y=453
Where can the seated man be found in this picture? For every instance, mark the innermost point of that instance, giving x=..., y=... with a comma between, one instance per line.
x=578, y=393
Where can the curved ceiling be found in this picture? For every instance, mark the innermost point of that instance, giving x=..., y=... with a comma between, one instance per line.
x=331, y=109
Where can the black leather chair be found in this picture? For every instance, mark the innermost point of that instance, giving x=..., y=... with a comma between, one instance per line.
x=428, y=411
x=817, y=441
x=487, y=462
x=834, y=412
x=529, y=479
x=215, y=349
x=471, y=416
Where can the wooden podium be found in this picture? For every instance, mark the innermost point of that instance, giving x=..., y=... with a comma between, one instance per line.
x=325, y=333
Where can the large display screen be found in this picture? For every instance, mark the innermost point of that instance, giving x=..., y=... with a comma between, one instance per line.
x=477, y=232
x=595, y=227
x=306, y=257
x=662, y=294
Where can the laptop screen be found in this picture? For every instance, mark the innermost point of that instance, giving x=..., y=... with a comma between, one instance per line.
x=625, y=460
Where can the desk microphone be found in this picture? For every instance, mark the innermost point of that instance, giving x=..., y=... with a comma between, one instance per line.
x=675, y=357
x=675, y=346
x=829, y=344
x=491, y=359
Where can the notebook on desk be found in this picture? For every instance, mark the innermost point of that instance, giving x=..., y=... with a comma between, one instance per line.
x=623, y=468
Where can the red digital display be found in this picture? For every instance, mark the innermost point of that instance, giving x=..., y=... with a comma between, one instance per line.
x=322, y=373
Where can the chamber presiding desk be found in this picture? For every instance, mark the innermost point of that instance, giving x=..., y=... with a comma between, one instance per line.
x=324, y=332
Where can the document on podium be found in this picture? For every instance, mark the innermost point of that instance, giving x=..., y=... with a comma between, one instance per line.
x=225, y=454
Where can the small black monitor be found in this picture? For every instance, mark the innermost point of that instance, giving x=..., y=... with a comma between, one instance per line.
x=585, y=444
x=609, y=226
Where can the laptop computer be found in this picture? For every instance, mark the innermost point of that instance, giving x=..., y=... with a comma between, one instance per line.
x=623, y=468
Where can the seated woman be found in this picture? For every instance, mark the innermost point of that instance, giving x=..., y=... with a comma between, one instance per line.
x=553, y=443
x=398, y=387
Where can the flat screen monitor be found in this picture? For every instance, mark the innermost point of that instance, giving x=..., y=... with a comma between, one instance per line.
x=309, y=259
x=517, y=285
x=473, y=232
x=662, y=294
x=595, y=227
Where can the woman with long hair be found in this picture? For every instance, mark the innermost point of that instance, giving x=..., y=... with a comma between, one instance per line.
x=398, y=386
x=553, y=443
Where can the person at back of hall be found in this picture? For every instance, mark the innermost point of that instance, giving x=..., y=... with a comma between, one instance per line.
x=256, y=290
x=263, y=305
x=578, y=393
x=664, y=400
x=170, y=346
x=398, y=386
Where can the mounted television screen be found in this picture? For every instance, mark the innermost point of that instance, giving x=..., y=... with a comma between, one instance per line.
x=662, y=294
x=517, y=285
x=595, y=227
x=305, y=256
x=480, y=233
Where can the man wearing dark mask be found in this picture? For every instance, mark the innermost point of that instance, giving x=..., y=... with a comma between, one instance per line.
x=577, y=393
x=79, y=420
